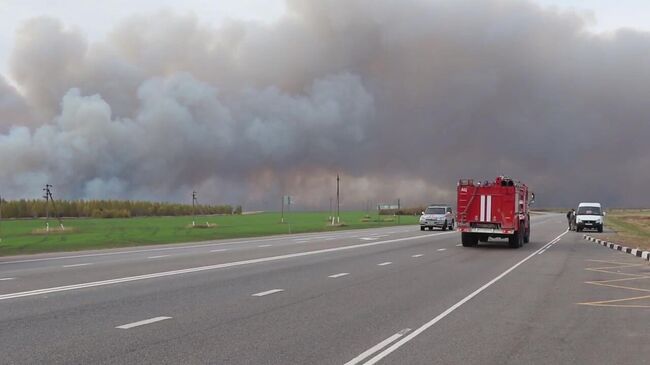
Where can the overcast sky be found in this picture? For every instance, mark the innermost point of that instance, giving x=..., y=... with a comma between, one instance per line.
x=245, y=101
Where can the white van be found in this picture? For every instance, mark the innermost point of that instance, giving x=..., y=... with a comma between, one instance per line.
x=590, y=216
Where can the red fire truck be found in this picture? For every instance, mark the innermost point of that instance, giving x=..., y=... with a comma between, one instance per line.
x=496, y=208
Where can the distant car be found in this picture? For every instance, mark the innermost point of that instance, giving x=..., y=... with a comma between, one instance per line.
x=590, y=216
x=437, y=216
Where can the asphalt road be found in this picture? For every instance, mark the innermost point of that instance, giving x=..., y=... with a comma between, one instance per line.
x=391, y=295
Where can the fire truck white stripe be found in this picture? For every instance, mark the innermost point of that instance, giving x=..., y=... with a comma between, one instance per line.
x=482, y=217
x=488, y=209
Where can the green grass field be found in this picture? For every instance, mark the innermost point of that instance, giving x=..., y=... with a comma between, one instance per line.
x=23, y=236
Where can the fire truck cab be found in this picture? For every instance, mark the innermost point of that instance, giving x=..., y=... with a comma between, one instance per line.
x=493, y=209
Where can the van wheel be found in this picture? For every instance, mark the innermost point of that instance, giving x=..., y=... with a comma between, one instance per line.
x=421, y=228
x=600, y=229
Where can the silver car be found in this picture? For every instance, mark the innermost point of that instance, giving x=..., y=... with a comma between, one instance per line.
x=438, y=216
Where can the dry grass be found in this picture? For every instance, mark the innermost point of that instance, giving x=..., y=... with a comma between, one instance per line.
x=631, y=227
x=54, y=230
x=203, y=225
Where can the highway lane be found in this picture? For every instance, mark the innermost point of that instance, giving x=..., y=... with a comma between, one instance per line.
x=329, y=307
x=138, y=253
x=30, y=274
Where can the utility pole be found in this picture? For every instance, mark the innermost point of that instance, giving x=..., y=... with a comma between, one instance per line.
x=398, y=212
x=0, y=217
x=282, y=211
x=338, y=200
x=193, y=206
x=49, y=198
x=288, y=204
x=47, y=206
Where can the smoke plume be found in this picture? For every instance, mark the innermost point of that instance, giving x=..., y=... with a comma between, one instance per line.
x=402, y=98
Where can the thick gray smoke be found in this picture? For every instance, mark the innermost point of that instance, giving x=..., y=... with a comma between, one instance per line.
x=401, y=97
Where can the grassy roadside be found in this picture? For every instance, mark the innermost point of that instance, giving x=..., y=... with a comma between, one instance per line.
x=25, y=236
x=631, y=227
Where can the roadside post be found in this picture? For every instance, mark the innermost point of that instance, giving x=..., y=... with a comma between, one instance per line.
x=0, y=218
x=398, y=212
x=193, y=205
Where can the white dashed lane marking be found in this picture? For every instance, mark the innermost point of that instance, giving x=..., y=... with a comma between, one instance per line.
x=158, y=257
x=385, y=263
x=272, y=291
x=418, y=255
x=77, y=265
x=338, y=275
x=142, y=323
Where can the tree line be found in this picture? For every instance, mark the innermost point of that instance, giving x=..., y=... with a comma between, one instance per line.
x=37, y=208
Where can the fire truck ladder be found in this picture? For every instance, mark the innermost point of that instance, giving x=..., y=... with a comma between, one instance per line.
x=469, y=203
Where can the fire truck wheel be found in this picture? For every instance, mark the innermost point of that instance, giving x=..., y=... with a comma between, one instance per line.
x=516, y=240
x=469, y=239
x=421, y=228
x=527, y=236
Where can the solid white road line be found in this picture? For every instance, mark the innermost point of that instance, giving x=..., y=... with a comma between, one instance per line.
x=548, y=245
x=142, y=323
x=272, y=291
x=384, y=263
x=377, y=347
x=418, y=255
x=338, y=275
x=6, y=279
x=157, y=257
x=264, y=245
x=219, y=250
x=442, y=249
x=77, y=265
x=444, y=314
x=93, y=284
